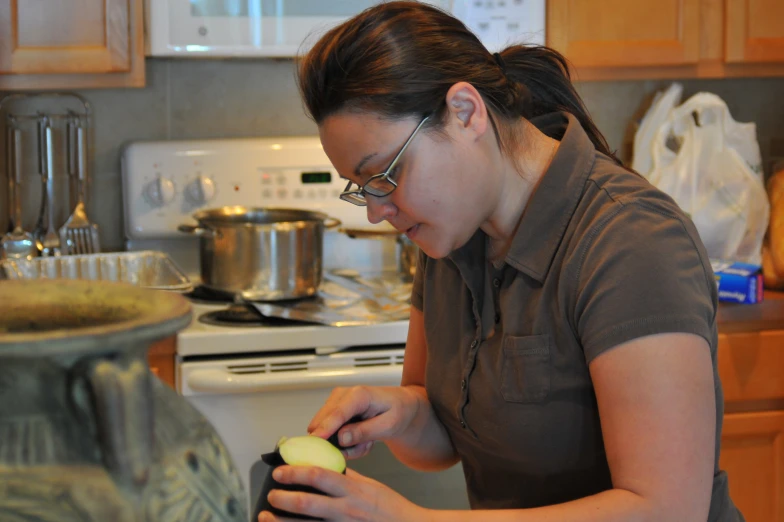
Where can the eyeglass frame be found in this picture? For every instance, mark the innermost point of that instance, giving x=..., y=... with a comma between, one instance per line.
x=357, y=196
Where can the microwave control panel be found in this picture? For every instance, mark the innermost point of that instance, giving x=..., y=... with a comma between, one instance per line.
x=499, y=23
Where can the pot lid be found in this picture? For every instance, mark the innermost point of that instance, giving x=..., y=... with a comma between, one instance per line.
x=243, y=216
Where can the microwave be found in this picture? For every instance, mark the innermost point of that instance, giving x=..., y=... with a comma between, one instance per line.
x=287, y=28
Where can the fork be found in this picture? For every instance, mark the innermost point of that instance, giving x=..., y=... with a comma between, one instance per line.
x=50, y=243
x=78, y=235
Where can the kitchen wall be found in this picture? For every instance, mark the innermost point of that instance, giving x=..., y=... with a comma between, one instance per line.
x=187, y=99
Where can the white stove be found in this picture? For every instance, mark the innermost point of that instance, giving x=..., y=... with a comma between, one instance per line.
x=164, y=183
x=257, y=382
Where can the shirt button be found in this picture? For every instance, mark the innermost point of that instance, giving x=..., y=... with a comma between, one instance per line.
x=463, y=384
x=496, y=282
x=463, y=424
x=474, y=343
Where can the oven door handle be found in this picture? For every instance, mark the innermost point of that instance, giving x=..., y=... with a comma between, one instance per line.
x=223, y=381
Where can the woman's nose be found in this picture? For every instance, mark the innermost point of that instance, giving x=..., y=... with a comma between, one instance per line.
x=379, y=209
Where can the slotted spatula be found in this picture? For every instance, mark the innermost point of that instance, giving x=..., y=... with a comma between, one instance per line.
x=78, y=235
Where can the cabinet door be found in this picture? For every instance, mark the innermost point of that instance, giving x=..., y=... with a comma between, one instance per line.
x=160, y=357
x=620, y=33
x=64, y=36
x=752, y=454
x=755, y=31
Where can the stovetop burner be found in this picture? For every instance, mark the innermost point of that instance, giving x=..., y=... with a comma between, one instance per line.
x=202, y=294
x=245, y=315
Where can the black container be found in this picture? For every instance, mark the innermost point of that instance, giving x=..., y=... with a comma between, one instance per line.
x=273, y=460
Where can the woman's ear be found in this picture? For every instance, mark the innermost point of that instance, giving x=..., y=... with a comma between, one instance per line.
x=467, y=107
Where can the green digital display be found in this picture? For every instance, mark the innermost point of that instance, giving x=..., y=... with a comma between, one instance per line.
x=316, y=177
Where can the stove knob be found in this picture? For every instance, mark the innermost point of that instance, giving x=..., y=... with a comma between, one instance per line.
x=201, y=190
x=159, y=192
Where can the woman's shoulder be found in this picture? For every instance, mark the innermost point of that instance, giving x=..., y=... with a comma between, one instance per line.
x=622, y=217
x=614, y=190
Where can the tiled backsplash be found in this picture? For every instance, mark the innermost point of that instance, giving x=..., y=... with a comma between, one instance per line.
x=187, y=99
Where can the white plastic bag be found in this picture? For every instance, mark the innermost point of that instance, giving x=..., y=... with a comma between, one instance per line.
x=662, y=105
x=714, y=176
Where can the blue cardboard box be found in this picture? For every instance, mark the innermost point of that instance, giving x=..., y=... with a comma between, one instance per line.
x=738, y=282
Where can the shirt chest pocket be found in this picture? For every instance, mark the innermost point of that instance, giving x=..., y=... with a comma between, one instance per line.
x=525, y=371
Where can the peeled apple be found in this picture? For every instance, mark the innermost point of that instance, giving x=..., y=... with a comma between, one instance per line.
x=306, y=450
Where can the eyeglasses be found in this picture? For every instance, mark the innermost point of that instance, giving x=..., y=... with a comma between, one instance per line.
x=378, y=185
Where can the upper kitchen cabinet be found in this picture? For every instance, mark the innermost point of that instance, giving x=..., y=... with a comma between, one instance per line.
x=71, y=44
x=617, y=39
x=755, y=31
x=619, y=33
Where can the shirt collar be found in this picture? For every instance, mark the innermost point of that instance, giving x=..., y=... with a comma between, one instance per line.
x=549, y=208
x=554, y=200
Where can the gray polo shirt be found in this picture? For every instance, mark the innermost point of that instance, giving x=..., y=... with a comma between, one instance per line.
x=600, y=257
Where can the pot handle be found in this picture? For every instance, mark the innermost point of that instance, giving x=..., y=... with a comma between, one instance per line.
x=196, y=230
x=331, y=222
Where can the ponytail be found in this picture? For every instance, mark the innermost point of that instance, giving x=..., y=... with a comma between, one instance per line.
x=540, y=83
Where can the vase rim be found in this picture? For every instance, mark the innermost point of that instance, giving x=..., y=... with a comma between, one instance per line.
x=58, y=317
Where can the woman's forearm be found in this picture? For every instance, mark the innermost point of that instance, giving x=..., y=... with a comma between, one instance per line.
x=615, y=505
x=425, y=444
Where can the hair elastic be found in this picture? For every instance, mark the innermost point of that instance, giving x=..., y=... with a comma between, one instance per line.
x=500, y=62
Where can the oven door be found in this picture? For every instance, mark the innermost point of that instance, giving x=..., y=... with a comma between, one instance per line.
x=253, y=401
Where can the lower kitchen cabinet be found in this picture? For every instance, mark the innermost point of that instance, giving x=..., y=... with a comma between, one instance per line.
x=751, y=366
x=161, y=359
x=752, y=454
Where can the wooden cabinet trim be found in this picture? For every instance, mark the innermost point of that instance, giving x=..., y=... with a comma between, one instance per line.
x=757, y=423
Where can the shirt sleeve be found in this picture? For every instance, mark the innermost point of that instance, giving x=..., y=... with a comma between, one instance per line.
x=417, y=290
x=642, y=271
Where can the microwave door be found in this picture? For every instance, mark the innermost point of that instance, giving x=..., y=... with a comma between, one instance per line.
x=237, y=28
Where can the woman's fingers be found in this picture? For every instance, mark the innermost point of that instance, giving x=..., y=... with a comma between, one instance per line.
x=311, y=504
x=356, y=401
x=266, y=516
x=327, y=409
x=329, y=482
x=358, y=451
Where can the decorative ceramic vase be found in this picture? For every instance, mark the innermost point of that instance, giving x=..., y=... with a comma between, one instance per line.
x=87, y=433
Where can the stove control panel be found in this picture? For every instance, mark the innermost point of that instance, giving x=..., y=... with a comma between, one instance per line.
x=166, y=182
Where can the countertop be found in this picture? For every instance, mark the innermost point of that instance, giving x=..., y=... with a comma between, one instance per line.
x=767, y=315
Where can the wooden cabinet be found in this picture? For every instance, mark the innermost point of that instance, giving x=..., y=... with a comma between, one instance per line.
x=618, y=33
x=751, y=366
x=161, y=359
x=71, y=44
x=615, y=39
x=755, y=31
x=752, y=454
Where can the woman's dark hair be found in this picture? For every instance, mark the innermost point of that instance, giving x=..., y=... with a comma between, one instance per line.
x=399, y=59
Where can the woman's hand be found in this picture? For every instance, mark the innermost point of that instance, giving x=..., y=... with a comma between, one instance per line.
x=352, y=497
x=387, y=412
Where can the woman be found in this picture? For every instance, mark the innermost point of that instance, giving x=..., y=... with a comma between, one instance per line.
x=562, y=342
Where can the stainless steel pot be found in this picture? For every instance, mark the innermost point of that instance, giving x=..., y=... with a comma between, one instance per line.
x=407, y=254
x=262, y=254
